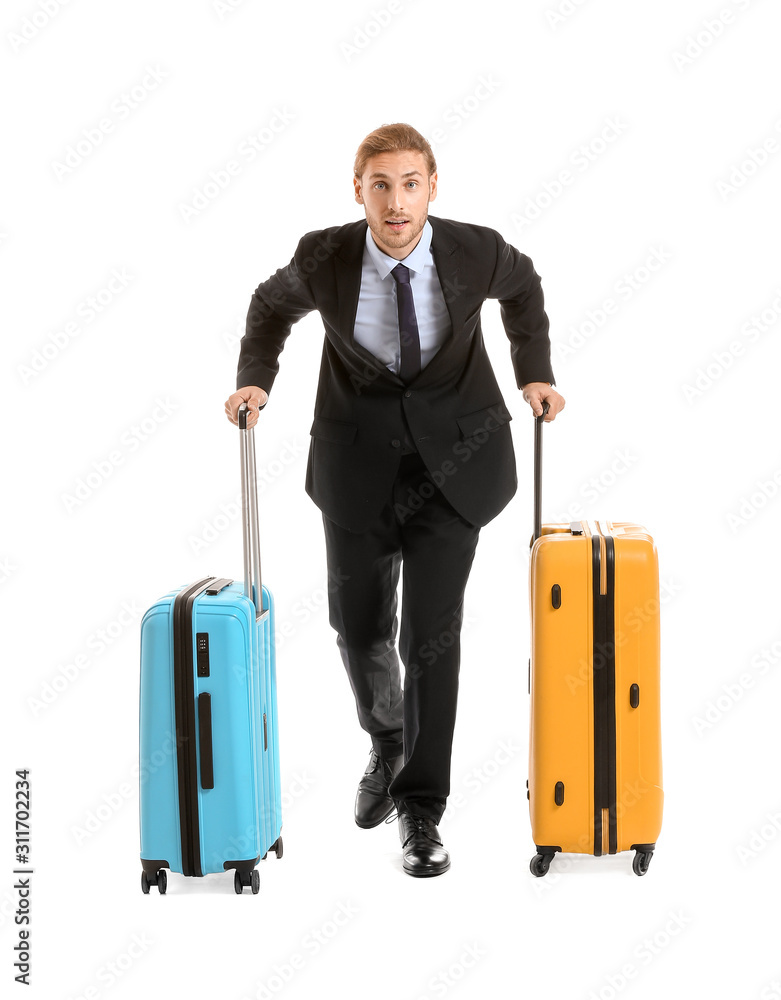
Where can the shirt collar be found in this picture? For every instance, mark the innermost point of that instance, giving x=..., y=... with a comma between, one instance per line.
x=415, y=261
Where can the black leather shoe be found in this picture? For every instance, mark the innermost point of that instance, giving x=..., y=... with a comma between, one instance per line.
x=372, y=803
x=422, y=852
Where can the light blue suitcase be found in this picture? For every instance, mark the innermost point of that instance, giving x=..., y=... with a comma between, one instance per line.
x=210, y=796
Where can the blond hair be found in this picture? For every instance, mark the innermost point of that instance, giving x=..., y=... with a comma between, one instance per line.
x=390, y=139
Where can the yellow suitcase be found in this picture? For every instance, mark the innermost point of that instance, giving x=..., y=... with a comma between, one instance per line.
x=595, y=762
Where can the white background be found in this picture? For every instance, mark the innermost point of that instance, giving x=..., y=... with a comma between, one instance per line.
x=515, y=92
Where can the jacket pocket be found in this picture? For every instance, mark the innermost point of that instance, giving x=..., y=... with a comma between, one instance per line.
x=338, y=431
x=490, y=418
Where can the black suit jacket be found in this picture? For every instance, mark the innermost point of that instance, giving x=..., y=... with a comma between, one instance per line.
x=455, y=411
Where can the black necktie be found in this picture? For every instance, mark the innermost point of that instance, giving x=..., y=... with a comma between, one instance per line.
x=409, y=337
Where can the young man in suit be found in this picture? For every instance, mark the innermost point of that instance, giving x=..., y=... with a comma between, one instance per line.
x=411, y=451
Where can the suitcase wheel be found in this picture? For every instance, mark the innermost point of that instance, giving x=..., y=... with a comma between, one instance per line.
x=252, y=879
x=277, y=848
x=540, y=864
x=641, y=861
x=160, y=879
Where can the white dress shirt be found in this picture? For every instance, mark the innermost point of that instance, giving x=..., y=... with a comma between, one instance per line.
x=377, y=318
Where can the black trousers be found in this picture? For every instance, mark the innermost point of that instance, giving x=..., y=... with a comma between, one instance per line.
x=418, y=530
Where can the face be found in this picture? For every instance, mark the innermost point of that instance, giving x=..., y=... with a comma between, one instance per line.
x=395, y=190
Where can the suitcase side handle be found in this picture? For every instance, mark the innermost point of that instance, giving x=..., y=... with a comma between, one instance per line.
x=249, y=513
x=205, y=739
x=538, y=422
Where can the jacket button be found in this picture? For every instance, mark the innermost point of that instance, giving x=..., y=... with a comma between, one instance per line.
x=396, y=443
x=408, y=392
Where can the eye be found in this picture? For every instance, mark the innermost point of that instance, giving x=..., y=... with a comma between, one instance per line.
x=413, y=183
x=379, y=184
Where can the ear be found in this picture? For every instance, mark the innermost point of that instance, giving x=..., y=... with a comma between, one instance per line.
x=357, y=186
x=432, y=186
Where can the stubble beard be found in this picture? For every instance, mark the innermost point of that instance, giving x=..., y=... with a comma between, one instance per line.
x=396, y=241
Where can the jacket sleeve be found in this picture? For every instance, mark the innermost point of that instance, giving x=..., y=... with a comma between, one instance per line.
x=518, y=288
x=275, y=306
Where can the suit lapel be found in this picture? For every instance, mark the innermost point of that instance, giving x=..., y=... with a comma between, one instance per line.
x=448, y=257
x=349, y=266
x=349, y=261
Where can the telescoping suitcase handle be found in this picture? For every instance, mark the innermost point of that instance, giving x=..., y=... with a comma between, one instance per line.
x=249, y=512
x=538, y=422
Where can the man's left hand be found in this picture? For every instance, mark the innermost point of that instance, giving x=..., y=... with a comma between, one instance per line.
x=536, y=393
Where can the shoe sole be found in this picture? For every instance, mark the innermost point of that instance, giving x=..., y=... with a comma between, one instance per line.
x=417, y=873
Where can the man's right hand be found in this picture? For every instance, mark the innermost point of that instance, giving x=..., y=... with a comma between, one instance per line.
x=253, y=396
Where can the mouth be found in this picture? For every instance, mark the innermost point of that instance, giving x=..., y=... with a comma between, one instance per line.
x=396, y=225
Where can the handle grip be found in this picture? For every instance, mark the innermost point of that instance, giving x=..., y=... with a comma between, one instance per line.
x=249, y=511
x=538, y=422
x=205, y=739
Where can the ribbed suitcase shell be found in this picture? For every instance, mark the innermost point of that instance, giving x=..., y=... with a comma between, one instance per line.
x=562, y=677
x=240, y=818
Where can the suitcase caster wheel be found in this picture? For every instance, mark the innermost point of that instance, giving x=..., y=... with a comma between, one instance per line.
x=641, y=861
x=264, y=856
x=277, y=848
x=540, y=864
x=255, y=881
x=162, y=881
x=144, y=884
x=238, y=885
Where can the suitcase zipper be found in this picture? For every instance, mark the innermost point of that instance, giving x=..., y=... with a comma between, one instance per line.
x=603, y=683
x=186, y=725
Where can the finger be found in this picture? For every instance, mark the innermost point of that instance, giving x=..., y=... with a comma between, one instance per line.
x=237, y=405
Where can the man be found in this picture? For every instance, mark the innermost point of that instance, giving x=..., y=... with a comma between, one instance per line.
x=411, y=451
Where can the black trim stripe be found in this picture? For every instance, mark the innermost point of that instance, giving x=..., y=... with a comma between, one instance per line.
x=610, y=629
x=604, y=686
x=599, y=697
x=184, y=705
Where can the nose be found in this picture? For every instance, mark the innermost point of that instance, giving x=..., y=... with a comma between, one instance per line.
x=395, y=203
